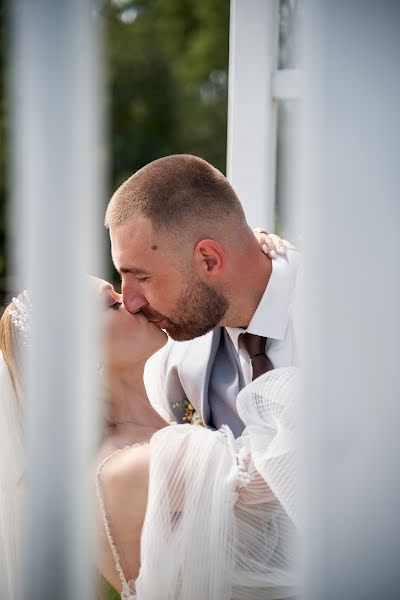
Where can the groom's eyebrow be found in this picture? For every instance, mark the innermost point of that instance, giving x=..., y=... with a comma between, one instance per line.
x=134, y=270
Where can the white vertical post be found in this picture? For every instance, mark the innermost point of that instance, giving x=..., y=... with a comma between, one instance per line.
x=351, y=408
x=57, y=187
x=251, y=108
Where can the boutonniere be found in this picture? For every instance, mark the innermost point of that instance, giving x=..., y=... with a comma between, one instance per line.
x=190, y=415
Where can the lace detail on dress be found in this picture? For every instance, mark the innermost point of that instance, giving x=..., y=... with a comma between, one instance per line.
x=128, y=587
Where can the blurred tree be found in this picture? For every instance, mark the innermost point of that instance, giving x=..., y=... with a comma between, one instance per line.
x=168, y=74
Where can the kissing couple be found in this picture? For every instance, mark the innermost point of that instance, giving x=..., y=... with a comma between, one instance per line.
x=183, y=511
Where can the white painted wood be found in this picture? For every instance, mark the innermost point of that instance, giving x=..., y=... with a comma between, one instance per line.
x=57, y=187
x=351, y=409
x=251, y=108
x=287, y=84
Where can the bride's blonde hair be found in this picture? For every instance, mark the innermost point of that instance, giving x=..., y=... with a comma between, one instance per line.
x=10, y=345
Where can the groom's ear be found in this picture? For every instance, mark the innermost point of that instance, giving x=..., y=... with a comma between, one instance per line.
x=209, y=259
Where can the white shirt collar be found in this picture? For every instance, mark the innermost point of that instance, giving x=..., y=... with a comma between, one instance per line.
x=271, y=316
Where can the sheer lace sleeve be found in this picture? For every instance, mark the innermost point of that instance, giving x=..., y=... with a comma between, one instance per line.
x=220, y=520
x=268, y=409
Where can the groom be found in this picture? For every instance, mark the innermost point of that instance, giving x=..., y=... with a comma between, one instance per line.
x=191, y=264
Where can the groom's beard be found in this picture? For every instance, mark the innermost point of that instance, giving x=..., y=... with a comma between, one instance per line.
x=200, y=309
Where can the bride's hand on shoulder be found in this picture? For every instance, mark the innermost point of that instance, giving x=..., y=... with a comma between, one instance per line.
x=271, y=244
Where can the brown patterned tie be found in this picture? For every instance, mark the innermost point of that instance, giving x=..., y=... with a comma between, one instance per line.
x=255, y=346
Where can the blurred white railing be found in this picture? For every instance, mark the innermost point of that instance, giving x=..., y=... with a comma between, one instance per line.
x=58, y=193
x=351, y=406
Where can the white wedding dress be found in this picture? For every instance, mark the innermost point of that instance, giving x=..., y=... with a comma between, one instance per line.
x=221, y=516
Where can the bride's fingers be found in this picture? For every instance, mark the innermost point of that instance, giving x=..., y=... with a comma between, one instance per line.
x=281, y=245
x=267, y=245
x=266, y=242
x=277, y=242
x=272, y=244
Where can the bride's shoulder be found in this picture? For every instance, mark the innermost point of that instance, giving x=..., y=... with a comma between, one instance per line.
x=124, y=475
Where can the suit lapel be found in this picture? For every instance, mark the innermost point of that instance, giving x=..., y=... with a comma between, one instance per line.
x=195, y=370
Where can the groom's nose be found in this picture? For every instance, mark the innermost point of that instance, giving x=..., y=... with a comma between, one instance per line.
x=132, y=298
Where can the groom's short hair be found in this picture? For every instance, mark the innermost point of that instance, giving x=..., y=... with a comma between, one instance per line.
x=176, y=191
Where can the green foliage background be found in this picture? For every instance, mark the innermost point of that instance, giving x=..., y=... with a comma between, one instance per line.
x=166, y=75
x=167, y=72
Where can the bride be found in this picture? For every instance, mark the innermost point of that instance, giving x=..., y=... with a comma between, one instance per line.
x=183, y=512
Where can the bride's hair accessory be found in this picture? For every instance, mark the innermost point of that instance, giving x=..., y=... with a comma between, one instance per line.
x=20, y=316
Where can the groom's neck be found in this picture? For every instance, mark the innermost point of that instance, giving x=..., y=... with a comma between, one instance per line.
x=249, y=278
